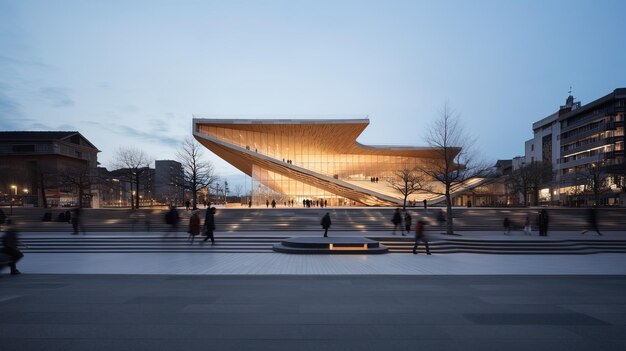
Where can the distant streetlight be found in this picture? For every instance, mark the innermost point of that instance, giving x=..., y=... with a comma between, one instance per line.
x=14, y=187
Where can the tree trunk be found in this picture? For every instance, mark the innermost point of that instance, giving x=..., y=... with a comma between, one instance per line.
x=449, y=224
x=44, y=200
x=194, y=194
x=137, y=186
x=132, y=197
x=404, y=203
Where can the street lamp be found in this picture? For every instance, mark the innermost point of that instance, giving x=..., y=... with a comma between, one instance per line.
x=14, y=187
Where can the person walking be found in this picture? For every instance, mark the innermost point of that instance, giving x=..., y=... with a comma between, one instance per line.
x=172, y=218
x=194, y=226
x=77, y=221
x=397, y=221
x=592, y=220
x=326, y=223
x=10, y=246
x=420, y=236
x=407, y=222
x=527, y=228
x=3, y=218
x=209, y=225
x=543, y=222
x=507, y=226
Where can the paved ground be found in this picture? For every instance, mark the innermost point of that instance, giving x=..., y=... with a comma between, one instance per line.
x=271, y=301
x=184, y=312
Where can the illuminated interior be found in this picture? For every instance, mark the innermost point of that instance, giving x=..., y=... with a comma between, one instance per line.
x=317, y=160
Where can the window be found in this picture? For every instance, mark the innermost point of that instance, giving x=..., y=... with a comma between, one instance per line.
x=23, y=148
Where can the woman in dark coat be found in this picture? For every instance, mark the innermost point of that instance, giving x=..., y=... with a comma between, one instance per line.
x=194, y=226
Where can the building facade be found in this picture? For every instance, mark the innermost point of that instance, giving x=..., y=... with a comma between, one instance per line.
x=48, y=169
x=295, y=160
x=168, y=182
x=585, y=146
x=592, y=151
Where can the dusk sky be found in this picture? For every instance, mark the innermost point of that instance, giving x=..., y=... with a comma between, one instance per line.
x=132, y=73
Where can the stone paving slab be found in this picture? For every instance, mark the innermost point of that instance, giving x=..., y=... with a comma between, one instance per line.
x=285, y=312
x=198, y=263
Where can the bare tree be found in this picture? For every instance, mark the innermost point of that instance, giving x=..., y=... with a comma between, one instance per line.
x=595, y=180
x=79, y=179
x=529, y=179
x=135, y=163
x=407, y=181
x=453, y=162
x=198, y=173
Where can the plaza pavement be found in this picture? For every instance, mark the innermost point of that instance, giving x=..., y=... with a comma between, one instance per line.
x=272, y=301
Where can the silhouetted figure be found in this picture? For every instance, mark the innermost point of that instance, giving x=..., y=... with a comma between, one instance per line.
x=592, y=220
x=441, y=217
x=420, y=236
x=543, y=222
x=68, y=216
x=325, y=203
x=425, y=204
x=187, y=205
x=507, y=226
x=397, y=221
x=326, y=223
x=249, y=203
x=194, y=226
x=172, y=218
x=407, y=222
x=527, y=228
x=273, y=203
x=209, y=225
x=148, y=221
x=267, y=203
x=10, y=246
x=3, y=218
x=77, y=221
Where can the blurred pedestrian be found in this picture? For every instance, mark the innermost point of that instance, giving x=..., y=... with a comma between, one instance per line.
x=543, y=222
x=397, y=221
x=77, y=221
x=326, y=223
x=507, y=226
x=11, y=246
x=407, y=222
x=3, y=218
x=194, y=226
x=592, y=221
x=209, y=225
x=527, y=228
x=187, y=205
x=425, y=204
x=420, y=236
x=172, y=218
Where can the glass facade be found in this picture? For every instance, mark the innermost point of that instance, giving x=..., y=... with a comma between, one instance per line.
x=279, y=151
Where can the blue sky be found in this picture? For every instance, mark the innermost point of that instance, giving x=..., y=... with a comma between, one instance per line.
x=134, y=72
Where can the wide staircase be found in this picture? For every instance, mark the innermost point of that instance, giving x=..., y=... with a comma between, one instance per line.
x=257, y=230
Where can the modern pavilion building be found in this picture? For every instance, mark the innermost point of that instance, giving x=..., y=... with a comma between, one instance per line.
x=310, y=159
